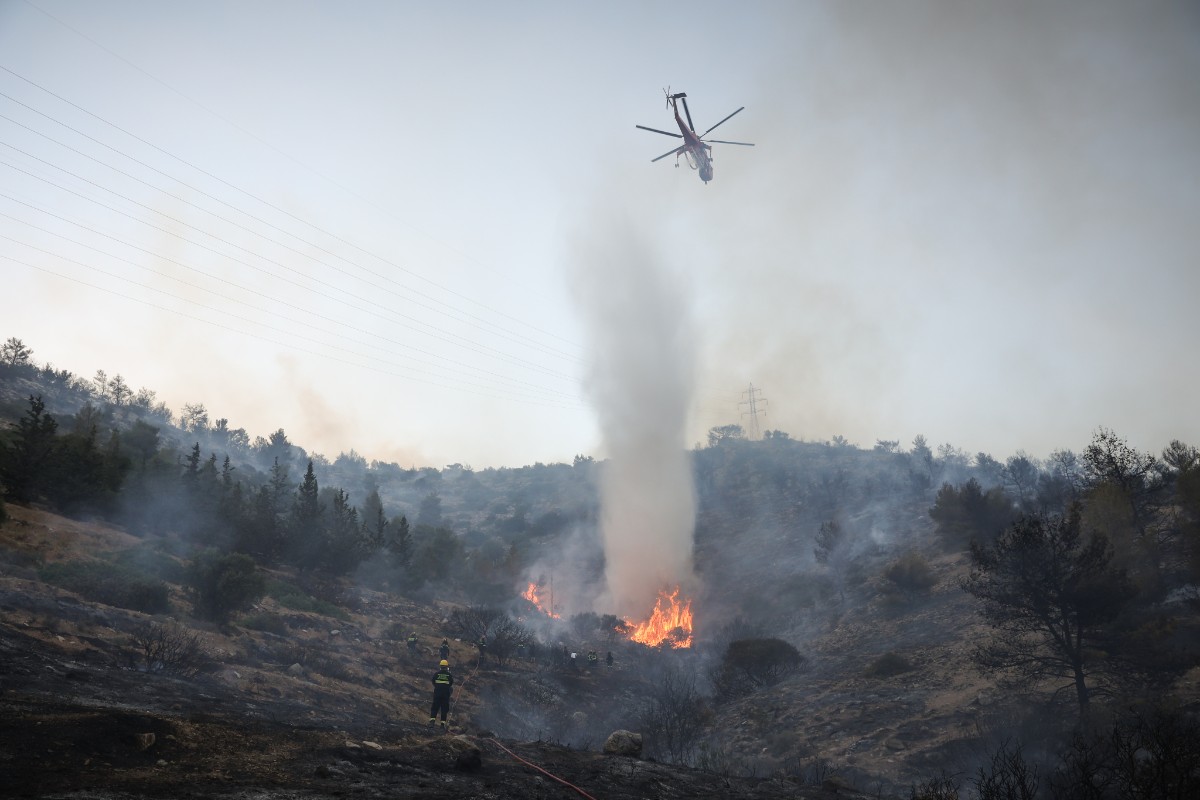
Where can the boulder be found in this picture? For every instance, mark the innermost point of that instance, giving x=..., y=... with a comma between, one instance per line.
x=624, y=743
x=295, y=669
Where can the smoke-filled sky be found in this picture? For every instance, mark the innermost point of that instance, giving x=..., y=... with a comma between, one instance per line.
x=358, y=221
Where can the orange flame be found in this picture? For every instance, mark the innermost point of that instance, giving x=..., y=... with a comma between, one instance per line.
x=671, y=622
x=531, y=594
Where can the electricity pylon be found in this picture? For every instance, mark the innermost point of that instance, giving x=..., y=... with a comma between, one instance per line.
x=757, y=405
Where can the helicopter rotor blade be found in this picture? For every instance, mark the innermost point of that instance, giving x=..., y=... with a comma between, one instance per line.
x=714, y=127
x=669, y=153
x=656, y=130
x=722, y=141
x=686, y=112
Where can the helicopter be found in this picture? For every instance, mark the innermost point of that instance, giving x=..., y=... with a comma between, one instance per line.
x=697, y=151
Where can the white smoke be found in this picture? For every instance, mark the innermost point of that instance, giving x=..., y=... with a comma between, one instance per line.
x=641, y=347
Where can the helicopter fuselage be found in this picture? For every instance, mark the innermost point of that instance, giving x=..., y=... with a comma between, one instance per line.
x=695, y=149
x=698, y=153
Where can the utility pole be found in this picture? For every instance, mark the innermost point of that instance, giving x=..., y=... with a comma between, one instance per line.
x=756, y=402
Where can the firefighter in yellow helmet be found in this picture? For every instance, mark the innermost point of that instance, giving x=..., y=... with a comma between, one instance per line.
x=443, y=685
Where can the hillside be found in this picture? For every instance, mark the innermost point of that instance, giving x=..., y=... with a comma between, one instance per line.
x=833, y=643
x=78, y=704
x=330, y=705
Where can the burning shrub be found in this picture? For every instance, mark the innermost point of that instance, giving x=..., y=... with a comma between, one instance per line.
x=169, y=648
x=752, y=664
x=669, y=624
x=613, y=627
x=223, y=584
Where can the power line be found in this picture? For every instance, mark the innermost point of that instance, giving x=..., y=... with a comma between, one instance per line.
x=258, y=199
x=478, y=320
x=444, y=336
x=264, y=338
x=512, y=381
x=273, y=148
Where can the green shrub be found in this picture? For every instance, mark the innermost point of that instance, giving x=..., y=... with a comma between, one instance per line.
x=20, y=558
x=151, y=560
x=910, y=574
x=262, y=621
x=887, y=665
x=224, y=584
x=752, y=664
x=293, y=597
x=397, y=632
x=111, y=584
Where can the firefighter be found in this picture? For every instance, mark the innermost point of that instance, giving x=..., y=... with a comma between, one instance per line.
x=444, y=650
x=443, y=685
x=593, y=659
x=412, y=642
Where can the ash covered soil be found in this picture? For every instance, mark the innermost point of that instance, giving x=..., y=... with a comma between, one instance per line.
x=73, y=724
x=80, y=719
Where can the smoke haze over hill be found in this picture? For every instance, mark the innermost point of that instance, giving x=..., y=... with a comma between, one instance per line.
x=967, y=220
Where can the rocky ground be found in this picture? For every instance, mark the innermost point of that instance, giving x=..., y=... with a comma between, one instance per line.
x=74, y=726
x=334, y=705
x=81, y=718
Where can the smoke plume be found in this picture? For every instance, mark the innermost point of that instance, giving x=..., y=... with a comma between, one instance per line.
x=639, y=380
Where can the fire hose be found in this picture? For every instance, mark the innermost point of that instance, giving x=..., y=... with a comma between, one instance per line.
x=548, y=774
x=539, y=769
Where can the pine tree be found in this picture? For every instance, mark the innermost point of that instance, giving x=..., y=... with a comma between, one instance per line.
x=24, y=463
x=375, y=523
x=401, y=544
x=343, y=544
x=306, y=531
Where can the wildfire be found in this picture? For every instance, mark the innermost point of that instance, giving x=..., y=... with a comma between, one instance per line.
x=531, y=594
x=671, y=622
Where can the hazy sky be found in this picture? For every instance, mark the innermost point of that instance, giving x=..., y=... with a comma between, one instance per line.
x=359, y=221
